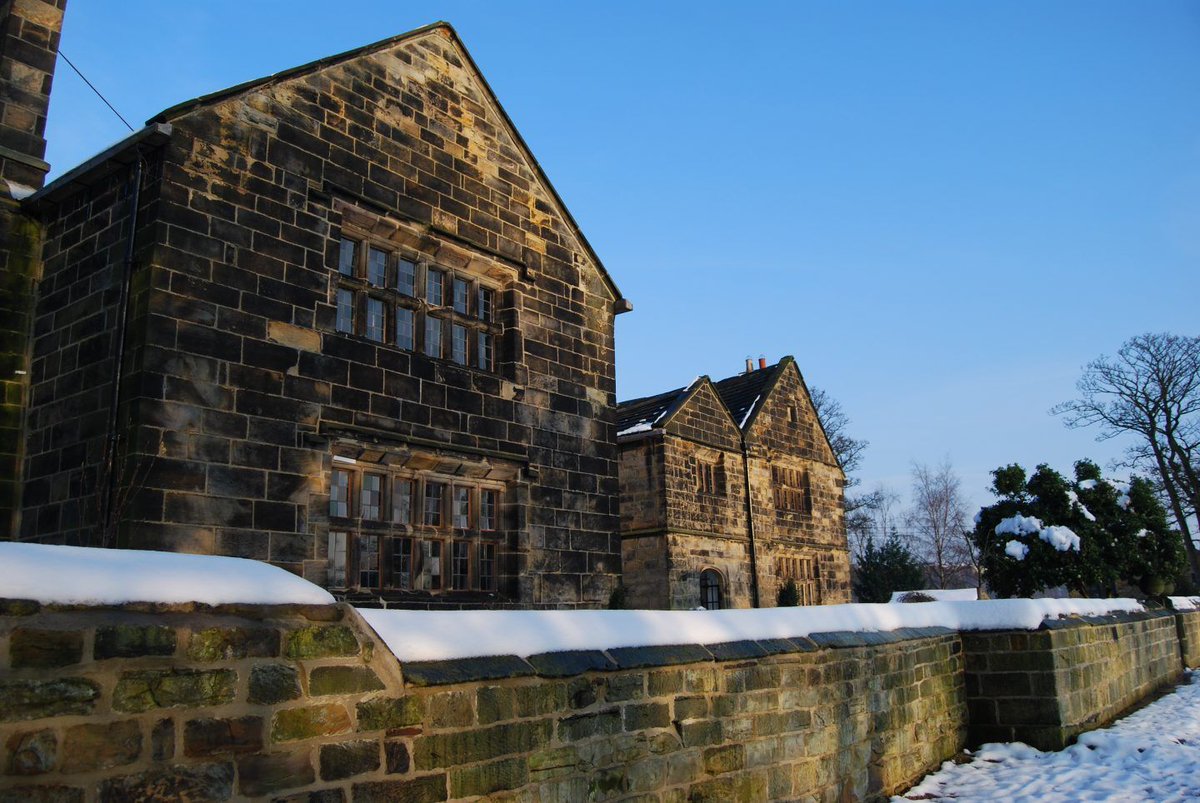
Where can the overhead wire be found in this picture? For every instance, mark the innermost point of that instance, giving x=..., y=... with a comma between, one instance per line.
x=93, y=88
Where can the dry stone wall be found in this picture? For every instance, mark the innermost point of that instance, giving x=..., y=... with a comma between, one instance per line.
x=1188, y=625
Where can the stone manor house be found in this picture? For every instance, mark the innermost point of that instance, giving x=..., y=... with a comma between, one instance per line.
x=337, y=319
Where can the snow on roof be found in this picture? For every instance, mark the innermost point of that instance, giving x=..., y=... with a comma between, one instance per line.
x=1184, y=603
x=444, y=635
x=72, y=575
x=940, y=594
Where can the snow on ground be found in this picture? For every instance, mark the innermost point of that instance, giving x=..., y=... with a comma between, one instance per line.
x=940, y=594
x=1150, y=755
x=73, y=575
x=442, y=635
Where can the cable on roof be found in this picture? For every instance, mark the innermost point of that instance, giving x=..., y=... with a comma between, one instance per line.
x=93, y=88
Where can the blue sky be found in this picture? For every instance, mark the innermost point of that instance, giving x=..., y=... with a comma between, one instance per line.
x=942, y=209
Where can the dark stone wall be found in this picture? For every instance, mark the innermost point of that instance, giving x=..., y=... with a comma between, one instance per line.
x=242, y=389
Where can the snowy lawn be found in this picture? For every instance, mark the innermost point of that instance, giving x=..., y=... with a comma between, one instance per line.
x=1150, y=755
x=74, y=575
x=443, y=635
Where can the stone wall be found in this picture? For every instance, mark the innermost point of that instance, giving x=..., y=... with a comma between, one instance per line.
x=1073, y=675
x=1188, y=626
x=243, y=702
x=305, y=703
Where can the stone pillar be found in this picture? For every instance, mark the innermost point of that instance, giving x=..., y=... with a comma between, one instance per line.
x=29, y=34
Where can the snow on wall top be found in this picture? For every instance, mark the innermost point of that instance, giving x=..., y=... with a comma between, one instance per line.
x=445, y=635
x=72, y=575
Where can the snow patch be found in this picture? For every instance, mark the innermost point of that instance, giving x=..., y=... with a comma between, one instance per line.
x=1061, y=538
x=73, y=575
x=1019, y=525
x=641, y=426
x=1016, y=550
x=444, y=635
x=1074, y=497
x=1184, y=603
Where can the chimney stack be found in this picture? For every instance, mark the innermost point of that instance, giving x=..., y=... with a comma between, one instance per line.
x=749, y=365
x=29, y=35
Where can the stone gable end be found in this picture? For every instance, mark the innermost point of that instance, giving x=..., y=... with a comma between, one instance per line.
x=773, y=425
x=704, y=418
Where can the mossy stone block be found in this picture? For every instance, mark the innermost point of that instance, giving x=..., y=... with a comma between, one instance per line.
x=273, y=683
x=333, y=641
x=386, y=713
x=225, y=643
x=31, y=648
x=133, y=641
x=307, y=723
x=342, y=680
x=171, y=688
x=35, y=699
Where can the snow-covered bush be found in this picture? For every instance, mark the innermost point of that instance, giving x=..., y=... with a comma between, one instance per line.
x=1089, y=534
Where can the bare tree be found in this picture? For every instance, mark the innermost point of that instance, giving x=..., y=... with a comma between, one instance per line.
x=873, y=517
x=848, y=450
x=1151, y=390
x=938, y=519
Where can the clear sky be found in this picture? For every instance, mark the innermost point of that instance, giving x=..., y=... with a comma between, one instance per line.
x=942, y=209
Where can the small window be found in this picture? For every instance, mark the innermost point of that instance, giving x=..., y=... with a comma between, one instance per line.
x=710, y=590
x=460, y=514
x=462, y=294
x=487, y=509
x=402, y=499
x=347, y=257
x=371, y=497
x=406, y=277
x=458, y=344
x=402, y=563
x=487, y=567
x=336, y=573
x=435, y=287
x=434, y=494
x=368, y=561
x=404, y=328
x=483, y=353
x=485, y=303
x=377, y=267
x=339, y=494
x=460, y=565
x=345, y=310
x=433, y=337
x=376, y=320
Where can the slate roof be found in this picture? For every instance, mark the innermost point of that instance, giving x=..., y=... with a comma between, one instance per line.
x=743, y=392
x=640, y=415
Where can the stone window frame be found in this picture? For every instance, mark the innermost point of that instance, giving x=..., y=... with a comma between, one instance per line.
x=712, y=588
x=476, y=320
x=791, y=490
x=805, y=571
x=354, y=529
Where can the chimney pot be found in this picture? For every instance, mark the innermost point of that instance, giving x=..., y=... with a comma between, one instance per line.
x=749, y=365
x=762, y=362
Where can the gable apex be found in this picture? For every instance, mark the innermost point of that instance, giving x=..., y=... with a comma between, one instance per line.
x=443, y=29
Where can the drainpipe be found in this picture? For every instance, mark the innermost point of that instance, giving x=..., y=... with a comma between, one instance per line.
x=750, y=522
x=110, y=458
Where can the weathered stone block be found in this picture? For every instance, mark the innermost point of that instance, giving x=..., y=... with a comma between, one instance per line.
x=330, y=641
x=479, y=744
x=396, y=757
x=558, y=762
x=647, y=715
x=342, y=680
x=55, y=793
x=225, y=643
x=133, y=641
x=96, y=747
x=198, y=782
x=427, y=789
x=171, y=688
x=451, y=709
x=34, y=699
x=162, y=740
x=387, y=713
x=727, y=758
x=306, y=723
x=346, y=759
x=30, y=648
x=31, y=753
x=483, y=779
x=210, y=737
x=585, y=726
x=273, y=683
x=264, y=773
x=465, y=670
